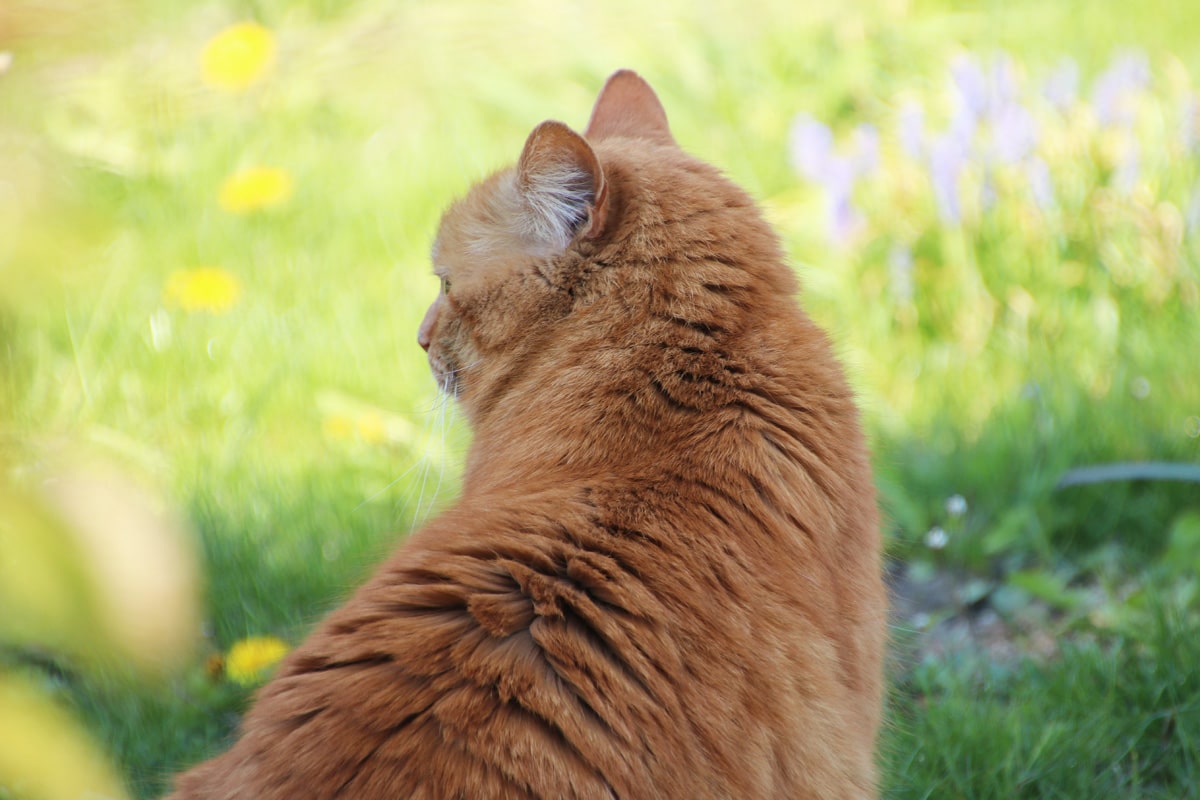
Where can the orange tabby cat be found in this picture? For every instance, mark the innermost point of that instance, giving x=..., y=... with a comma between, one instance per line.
x=662, y=579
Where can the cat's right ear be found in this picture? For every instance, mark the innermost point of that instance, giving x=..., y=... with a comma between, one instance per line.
x=562, y=186
x=628, y=107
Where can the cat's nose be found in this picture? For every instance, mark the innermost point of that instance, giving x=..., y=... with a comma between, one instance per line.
x=425, y=332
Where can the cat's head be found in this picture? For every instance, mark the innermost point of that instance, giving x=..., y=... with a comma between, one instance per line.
x=618, y=210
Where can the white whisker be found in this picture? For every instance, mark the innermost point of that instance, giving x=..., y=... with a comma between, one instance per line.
x=400, y=477
x=442, y=464
x=448, y=381
x=437, y=421
x=436, y=424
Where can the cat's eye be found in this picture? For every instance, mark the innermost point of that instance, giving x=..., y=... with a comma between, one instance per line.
x=445, y=285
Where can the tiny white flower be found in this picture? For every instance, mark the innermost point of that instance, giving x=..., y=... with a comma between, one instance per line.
x=936, y=539
x=956, y=505
x=1140, y=388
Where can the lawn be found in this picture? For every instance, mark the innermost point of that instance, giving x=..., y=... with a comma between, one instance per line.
x=214, y=231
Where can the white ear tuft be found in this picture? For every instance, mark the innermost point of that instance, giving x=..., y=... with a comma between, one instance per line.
x=561, y=185
x=558, y=200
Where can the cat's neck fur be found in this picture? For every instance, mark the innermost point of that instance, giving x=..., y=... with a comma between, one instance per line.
x=633, y=322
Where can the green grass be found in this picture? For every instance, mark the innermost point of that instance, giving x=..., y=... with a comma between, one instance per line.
x=299, y=433
x=1114, y=720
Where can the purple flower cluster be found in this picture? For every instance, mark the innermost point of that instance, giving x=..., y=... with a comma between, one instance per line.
x=1061, y=87
x=815, y=156
x=993, y=125
x=1116, y=89
x=1114, y=101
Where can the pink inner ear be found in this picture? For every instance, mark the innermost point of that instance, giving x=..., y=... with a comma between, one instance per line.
x=628, y=107
x=553, y=146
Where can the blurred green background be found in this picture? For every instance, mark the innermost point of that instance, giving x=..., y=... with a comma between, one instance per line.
x=214, y=226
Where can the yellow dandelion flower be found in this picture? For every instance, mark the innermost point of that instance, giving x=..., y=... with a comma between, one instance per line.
x=247, y=662
x=209, y=289
x=255, y=188
x=238, y=56
x=338, y=426
x=371, y=428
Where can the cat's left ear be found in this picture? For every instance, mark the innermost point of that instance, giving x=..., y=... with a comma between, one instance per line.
x=563, y=186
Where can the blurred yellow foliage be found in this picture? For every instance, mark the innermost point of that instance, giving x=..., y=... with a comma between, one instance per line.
x=346, y=418
x=138, y=559
x=102, y=574
x=255, y=188
x=248, y=660
x=100, y=568
x=371, y=428
x=238, y=56
x=44, y=755
x=43, y=574
x=209, y=289
x=338, y=426
x=368, y=426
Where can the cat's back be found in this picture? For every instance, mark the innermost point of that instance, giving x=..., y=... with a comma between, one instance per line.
x=603, y=640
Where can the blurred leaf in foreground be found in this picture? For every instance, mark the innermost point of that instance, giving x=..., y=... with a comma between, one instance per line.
x=139, y=561
x=96, y=571
x=43, y=753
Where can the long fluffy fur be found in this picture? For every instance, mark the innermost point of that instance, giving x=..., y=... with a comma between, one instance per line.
x=662, y=579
